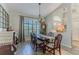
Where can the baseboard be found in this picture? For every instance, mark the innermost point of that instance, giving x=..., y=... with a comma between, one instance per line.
x=66, y=45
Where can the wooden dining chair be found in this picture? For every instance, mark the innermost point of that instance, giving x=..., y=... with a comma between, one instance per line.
x=36, y=43
x=31, y=35
x=52, y=47
x=33, y=41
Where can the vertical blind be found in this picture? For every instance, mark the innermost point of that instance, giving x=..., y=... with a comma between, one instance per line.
x=31, y=26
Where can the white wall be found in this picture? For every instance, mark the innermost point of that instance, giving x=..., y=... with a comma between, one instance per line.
x=75, y=21
x=67, y=35
x=13, y=18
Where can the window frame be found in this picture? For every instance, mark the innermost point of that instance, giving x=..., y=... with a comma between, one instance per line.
x=4, y=16
x=34, y=25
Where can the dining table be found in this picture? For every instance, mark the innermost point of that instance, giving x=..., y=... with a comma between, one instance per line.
x=44, y=39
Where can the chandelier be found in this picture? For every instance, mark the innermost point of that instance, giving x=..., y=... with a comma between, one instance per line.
x=41, y=18
x=39, y=10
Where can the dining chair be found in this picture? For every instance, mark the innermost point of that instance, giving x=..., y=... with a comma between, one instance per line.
x=33, y=40
x=52, y=47
x=15, y=38
x=38, y=43
x=31, y=35
x=51, y=34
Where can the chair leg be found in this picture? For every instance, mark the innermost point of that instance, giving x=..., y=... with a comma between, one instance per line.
x=44, y=49
x=54, y=51
x=36, y=47
x=59, y=50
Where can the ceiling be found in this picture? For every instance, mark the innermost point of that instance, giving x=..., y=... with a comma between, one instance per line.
x=32, y=9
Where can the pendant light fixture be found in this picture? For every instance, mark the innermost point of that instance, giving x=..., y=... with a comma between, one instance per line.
x=39, y=12
x=41, y=18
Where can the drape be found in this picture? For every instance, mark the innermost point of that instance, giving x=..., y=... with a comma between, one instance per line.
x=21, y=29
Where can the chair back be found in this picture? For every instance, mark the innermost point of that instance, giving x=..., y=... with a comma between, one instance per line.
x=57, y=41
x=50, y=34
x=34, y=39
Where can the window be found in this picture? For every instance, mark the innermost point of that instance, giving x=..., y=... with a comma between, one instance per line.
x=4, y=18
x=31, y=25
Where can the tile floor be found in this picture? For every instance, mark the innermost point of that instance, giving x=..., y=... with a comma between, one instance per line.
x=75, y=43
x=26, y=48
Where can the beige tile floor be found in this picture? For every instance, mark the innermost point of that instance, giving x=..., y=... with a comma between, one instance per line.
x=26, y=48
x=75, y=47
x=75, y=43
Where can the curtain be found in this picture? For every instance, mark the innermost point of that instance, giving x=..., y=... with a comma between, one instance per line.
x=21, y=29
